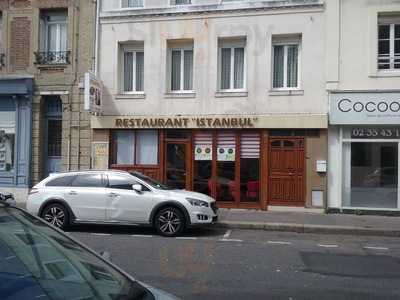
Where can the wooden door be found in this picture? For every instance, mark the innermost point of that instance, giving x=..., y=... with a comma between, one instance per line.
x=286, y=171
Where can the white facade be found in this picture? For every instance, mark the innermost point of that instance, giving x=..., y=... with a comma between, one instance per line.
x=203, y=24
x=363, y=136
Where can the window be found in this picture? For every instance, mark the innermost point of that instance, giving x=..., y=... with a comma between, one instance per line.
x=61, y=181
x=389, y=43
x=133, y=69
x=7, y=134
x=120, y=182
x=181, y=66
x=135, y=147
x=54, y=37
x=131, y=3
x=232, y=64
x=180, y=2
x=87, y=180
x=286, y=63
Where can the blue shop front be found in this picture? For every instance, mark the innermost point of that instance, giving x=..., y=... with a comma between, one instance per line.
x=16, y=94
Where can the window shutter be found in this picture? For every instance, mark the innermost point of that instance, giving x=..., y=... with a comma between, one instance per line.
x=203, y=139
x=250, y=145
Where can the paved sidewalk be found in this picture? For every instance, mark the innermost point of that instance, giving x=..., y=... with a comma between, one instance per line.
x=309, y=222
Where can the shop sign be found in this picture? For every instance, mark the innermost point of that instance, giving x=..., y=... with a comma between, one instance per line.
x=225, y=154
x=375, y=133
x=100, y=155
x=364, y=108
x=92, y=93
x=185, y=122
x=203, y=153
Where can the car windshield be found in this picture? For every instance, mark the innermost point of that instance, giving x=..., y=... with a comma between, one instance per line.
x=38, y=262
x=152, y=182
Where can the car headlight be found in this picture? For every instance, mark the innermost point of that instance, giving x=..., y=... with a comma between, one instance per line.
x=197, y=202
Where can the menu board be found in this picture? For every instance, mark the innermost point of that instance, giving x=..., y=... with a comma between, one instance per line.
x=100, y=155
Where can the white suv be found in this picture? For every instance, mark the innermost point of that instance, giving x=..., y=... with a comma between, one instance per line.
x=117, y=197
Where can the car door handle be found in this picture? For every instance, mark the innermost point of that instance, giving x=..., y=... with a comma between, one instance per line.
x=113, y=195
x=73, y=193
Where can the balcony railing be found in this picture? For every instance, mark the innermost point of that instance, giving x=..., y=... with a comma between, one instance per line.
x=53, y=57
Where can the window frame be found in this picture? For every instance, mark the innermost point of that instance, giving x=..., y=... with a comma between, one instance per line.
x=182, y=48
x=286, y=45
x=173, y=3
x=392, y=22
x=232, y=45
x=59, y=24
x=131, y=7
x=134, y=50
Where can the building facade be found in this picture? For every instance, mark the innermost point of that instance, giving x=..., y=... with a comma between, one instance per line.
x=226, y=98
x=363, y=80
x=47, y=46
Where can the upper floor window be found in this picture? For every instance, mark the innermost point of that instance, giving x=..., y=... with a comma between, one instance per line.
x=180, y=2
x=389, y=42
x=232, y=64
x=133, y=68
x=53, y=38
x=180, y=65
x=286, y=63
x=131, y=3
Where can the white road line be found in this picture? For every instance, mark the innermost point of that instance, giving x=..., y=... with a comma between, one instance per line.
x=279, y=243
x=142, y=235
x=230, y=240
x=328, y=246
x=227, y=234
x=376, y=248
x=101, y=234
x=186, y=238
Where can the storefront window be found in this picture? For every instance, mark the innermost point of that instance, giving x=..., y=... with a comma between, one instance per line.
x=371, y=174
x=203, y=162
x=250, y=167
x=226, y=166
x=7, y=139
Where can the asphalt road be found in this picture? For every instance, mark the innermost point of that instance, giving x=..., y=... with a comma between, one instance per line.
x=246, y=264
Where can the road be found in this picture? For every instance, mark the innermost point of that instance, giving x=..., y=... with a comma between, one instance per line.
x=251, y=264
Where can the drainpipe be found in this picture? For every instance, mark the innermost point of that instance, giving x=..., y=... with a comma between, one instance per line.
x=96, y=34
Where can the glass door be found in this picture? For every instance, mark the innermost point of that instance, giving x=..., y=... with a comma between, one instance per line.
x=177, y=165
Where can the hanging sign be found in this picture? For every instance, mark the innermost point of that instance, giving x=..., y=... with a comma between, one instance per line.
x=92, y=94
x=203, y=153
x=225, y=154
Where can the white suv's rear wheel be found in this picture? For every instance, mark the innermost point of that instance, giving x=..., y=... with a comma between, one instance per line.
x=57, y=215
x=169, y=221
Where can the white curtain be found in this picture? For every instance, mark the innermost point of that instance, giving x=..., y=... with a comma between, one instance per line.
x=225, y=68
x=292, y=66
x=239, y=68
x=278, y=66
x=128, y=71
x=147, y=147
x=175, y=70
x=63, y=37
x=139, y=71
x=125, y=147
x=188, y=70
x=52, y=37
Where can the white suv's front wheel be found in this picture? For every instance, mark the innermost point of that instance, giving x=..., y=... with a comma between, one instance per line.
x=169, y=222
x=57, y=215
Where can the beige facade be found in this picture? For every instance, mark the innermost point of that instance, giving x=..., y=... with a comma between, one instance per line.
x=23, y=38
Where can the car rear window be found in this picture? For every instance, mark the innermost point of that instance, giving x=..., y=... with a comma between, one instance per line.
x=61, y=181
x=88, y=180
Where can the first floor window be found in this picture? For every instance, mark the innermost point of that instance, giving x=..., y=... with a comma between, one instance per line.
x=132, y=3
x=286, y=65
x=7, y=138
x=133, y=70
x=135, y=147
x=181, y=68
x=389, y=43
x=180, y=2
x=231, y=65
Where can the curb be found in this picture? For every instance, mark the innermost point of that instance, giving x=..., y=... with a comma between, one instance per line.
x=308, y=228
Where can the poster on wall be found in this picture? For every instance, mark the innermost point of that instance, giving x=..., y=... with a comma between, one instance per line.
x=202, y=153
x=225, y=154
x=99, y=155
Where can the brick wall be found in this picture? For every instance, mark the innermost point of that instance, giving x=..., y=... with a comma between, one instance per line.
x=20, y=50
x=21, y=3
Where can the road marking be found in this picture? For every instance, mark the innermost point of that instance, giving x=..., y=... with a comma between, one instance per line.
x=376, y=248
x=142, y=235
x=279, y=243
x=327, y=246
x=101, y=234
x=227, y=234
x=230, y=240
x=186, y=238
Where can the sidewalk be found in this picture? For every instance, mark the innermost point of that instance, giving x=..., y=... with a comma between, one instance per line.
x=304, y=222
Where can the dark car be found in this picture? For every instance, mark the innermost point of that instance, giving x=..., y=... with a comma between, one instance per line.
x=38, y=261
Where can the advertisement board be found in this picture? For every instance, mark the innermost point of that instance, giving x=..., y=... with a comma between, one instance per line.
x=203, y=153
x=92, y=93
x=225, y=154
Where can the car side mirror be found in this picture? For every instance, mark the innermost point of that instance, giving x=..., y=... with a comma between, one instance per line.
x=137, y=188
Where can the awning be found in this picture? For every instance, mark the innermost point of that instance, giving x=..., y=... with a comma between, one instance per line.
x=16, y=86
